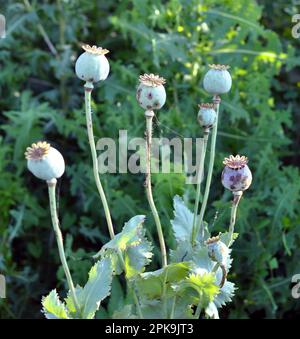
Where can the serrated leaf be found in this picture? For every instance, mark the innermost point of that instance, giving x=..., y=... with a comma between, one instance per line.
x=53, y=308
x=183, y=252
x=96, y=289
x=129, y=236
x=137, y=257
x=116, y=300
x=132, y=245
x=183, y=222
x=203, y=284
x=114, y=257
x=226, y=294
x=205, y=265
x=211, y=311
x=70, y=303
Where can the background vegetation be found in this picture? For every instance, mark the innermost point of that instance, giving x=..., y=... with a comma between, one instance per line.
x=40, y=98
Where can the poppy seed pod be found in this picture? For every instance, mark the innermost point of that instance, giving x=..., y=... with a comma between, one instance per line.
x=44, y=161
x=207, y=115
x=217, y=80
x=151, y=93
x=217, y=250
x=92, y=65
x=236, y=175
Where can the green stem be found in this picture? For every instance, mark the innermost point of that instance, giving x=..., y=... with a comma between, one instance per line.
x=131, y=287
x=198, y=310
x=89, y=122
x=149, y=117
x=216, y=100
x=59, y=239
x=163, y=296
x=137, y=303
x=88, y=87
x=215, y=268
x=235, y=203
x=199, y=179
x=172, y=314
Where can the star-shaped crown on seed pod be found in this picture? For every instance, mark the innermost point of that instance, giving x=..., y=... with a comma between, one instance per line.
x=206, y=105
x=94, y=49
x=212, y=240
x=219, y=67
x=236, y=162
x=152, y=80
x=37, y=151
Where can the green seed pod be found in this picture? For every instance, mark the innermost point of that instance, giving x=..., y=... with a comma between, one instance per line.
x=217, y=80
x=151, y=94
x=92, y=65
x=44, y=161
x=217, y=250
x=236, y=175
x=207, y=115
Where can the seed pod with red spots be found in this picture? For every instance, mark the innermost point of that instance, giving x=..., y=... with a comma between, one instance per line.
x=236, y=175
x=151, y=94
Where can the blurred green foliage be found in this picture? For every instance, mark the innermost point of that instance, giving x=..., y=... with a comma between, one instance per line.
x=40, y=98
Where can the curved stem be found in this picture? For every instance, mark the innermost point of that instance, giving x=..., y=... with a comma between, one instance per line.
x=216, y=100
x=235, y=202
x=88, y=87
x=224, y=273
x=149, y=117
x=199, y=179
x=59, y=239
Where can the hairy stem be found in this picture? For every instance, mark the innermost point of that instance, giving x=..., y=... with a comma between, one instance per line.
x=216, y=100
x=199, y=179
x=149, y=117
x=59, y=239
x=88, y=87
